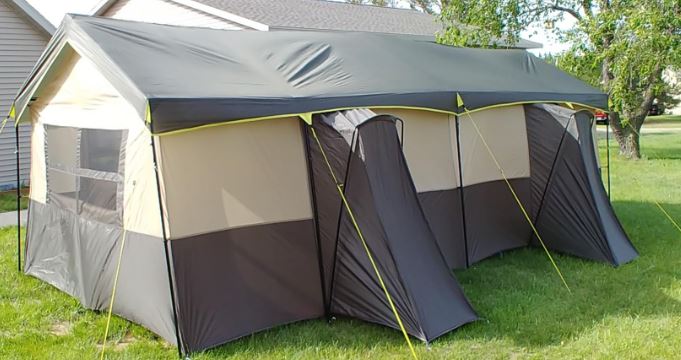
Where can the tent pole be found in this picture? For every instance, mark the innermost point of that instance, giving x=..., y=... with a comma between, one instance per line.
x=340, y=216
x=607, y=151
x=16, y=138
x=171, y=283
x=313, y=199
x=463, y=207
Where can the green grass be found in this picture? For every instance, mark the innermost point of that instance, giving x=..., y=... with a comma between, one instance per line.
x=632, y=312
x=663, y=121
x=8, y=200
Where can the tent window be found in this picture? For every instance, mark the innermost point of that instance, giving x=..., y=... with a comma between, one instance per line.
x=61, y=154
x=100, y=149
x=63, y=189
x=84, y=171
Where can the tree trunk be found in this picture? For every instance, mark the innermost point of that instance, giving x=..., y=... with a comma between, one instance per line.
x=628, y=136
x=630, y=146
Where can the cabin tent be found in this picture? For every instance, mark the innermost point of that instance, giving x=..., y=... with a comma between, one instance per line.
x=190, y=149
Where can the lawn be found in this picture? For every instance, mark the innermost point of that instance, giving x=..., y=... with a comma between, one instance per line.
x=8, y=200
x=672, y=121
x=632, y=312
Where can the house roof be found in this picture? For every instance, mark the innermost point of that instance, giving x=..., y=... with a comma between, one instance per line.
x=186, y=77
x=324, y=15
x=33, y=16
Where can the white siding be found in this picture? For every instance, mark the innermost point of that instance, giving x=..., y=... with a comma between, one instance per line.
x=166, y=12
x=20, y=46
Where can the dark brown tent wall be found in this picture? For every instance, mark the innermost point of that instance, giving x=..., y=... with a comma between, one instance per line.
x=383, y=199
x=570, y=204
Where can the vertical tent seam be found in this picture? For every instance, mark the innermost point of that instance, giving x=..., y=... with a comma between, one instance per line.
x=553, y=170
x=171, y=282
x=340, y=212
x=315, y=219
x=515, y=196
x=366, y=248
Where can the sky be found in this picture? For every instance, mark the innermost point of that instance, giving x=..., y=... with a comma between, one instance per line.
x=54, y=11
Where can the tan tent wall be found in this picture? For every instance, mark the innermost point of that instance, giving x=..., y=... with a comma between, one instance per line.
x=81, y=97
x=506, y=134
x=429, y=147
x=242, y=234
x=76, y=252
x=233, y=176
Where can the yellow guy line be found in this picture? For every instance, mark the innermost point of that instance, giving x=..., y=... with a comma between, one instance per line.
x=113, y=295
x=4, y=122
x=364, y=244
x=517, y=200
x=668, y=216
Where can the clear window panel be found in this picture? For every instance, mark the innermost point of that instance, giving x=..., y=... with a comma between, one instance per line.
x=61, y=147
x=100, y=149
x=62, y=189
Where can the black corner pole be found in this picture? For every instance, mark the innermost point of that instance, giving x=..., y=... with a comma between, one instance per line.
x=607, y=151
x=171, y=283
x=18, y=169
x=461, y=195
x=315, y=219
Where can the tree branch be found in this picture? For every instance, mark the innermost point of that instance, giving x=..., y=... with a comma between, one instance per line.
x=572, y=12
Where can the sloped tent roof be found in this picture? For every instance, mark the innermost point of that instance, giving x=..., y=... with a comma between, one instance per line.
x=188, y=77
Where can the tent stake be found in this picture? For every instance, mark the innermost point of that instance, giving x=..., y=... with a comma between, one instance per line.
x=315, y=219
x=171, y=283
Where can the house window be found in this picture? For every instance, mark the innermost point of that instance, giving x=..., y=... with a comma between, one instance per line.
x=84, y=172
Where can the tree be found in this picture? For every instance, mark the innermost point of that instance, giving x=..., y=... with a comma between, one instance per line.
x=621, y=46
x=385, y=3
x=427, y=6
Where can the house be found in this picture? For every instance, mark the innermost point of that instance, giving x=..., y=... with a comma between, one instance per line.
x=673, y=78
x=268, y=15
x=23, y=36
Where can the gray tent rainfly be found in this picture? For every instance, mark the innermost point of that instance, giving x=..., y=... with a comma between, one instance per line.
x=233, y=229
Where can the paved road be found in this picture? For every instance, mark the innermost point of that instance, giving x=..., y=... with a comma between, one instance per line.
x=10, y=218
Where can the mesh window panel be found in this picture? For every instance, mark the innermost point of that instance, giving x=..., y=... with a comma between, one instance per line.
x=100, y=149
x=83, y=171
x=97, y=200
x=62, y=189
x=61, y=147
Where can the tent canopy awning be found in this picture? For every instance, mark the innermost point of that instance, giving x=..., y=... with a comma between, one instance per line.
x=183, y=77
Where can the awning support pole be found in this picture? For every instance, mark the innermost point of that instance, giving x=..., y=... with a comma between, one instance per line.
x=16, y=151
x=166, y=245
x=607, y=151
x=461, y=189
